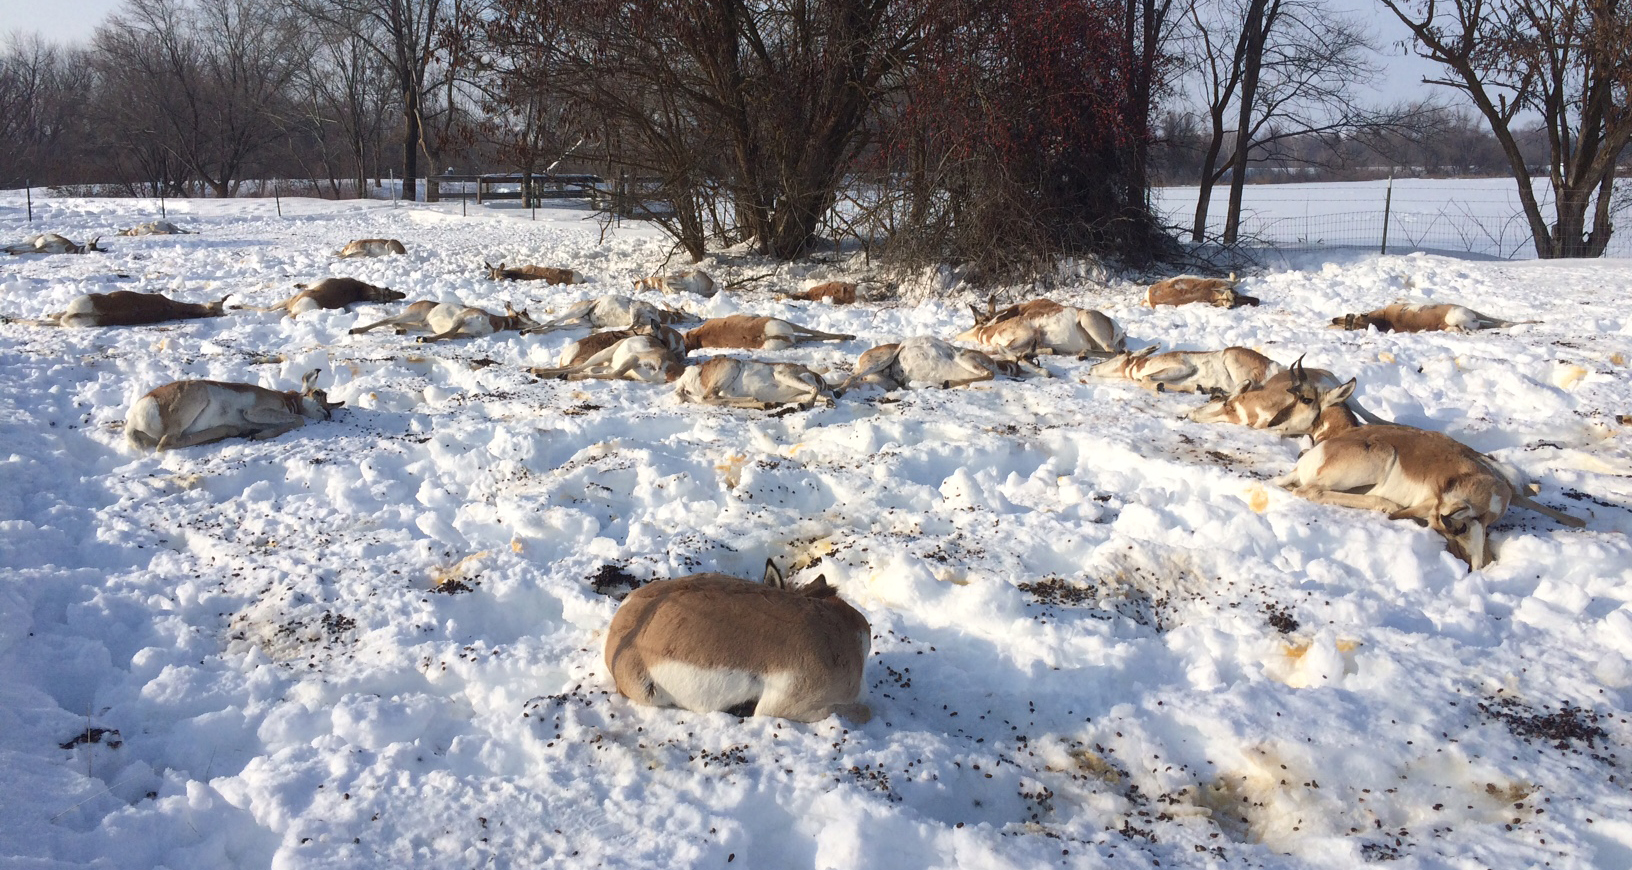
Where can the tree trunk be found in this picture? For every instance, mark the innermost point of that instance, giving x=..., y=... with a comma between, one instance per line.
x=410, y=150
x=1258, y=22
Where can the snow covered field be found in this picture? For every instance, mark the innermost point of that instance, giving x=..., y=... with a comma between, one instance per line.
x=1100, y=638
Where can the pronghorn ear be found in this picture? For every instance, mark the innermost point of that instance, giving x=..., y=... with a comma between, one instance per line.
x=1233, y=282
x=308, y=383
x=1143, y=352
x=1338, y=395
x=976, y=312
x=773, y=576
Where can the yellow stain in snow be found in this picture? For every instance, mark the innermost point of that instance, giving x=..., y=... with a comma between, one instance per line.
x=1617, y=359
x=1257, y=499
x=1386, y=357
x=731, y=469
x=1568, y=375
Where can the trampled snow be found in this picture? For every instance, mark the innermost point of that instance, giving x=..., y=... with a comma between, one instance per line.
x=1101, y=637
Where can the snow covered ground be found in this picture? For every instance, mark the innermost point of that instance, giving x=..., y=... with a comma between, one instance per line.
x=1100, y=638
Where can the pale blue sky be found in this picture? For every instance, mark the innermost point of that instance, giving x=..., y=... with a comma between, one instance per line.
x=75, y=20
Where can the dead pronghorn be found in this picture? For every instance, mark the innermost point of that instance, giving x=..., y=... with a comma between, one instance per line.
x=744, y=331
x=746, y=383
x=646, y=353
x=695, y=281
x=51, y=243
x=1189, y=371
x=710, y=642
x=925, y=360
x=1406, y=317
x=331, y=293
x=447, y=320
x=611, y=312
x=836, y=292
x=1290, y=402
x=127, y=308
x=1043, y=326
x=547, y=274
x=1186, y=289
x=185, y=413
x=155, y=228
x=371, y=248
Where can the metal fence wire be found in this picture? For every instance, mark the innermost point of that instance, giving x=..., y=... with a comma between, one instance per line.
x=1472, y=217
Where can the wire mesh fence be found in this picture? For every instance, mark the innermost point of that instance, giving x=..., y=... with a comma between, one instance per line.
x=1476, y=216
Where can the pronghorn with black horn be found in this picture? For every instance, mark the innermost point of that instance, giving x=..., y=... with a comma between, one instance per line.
x=746, y=332
x=1291, y=402
x=693, y=281
x=712, y=642
x=331, y=293
x=185, y=413
x=925, y=360
x=51, y=243
x=1187, y=289
x=611, y=312
x=1043, y=326
x=445, y=320
x=548, y=274
x=1189, y=371
x=370, y=248
x=1408, y=317
x=1415, y=474
x=746, y=383
x=128, y=308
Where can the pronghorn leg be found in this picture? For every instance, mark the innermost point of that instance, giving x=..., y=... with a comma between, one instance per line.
x=577, y=311
x=1317, y=493
x=805, y=332
x=395, y=322
x=440, y=336
x=203, y=436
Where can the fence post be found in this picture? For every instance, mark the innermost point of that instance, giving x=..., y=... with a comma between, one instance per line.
x=393, y=187
x=276, y=200
x=28, y=193
x=1388, y=207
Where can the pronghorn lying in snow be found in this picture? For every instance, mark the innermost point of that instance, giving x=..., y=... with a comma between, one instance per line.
x=1407, y=317
x=371, y=248
x=611, y=312
x=51, y=243
x=451, y=320
x=127, y=308
x=1188, y=371
x=155, y=228
x=710, y=642
x=331, y=293
x=653, y=354
x=185, y=413
x=1186, y=289
x=747, y=332
x=1043, y=326
x=836, y=292
x=925, y=360
x=695, y=281
x=547, y=274
x=746, y=383
x=1290, y=402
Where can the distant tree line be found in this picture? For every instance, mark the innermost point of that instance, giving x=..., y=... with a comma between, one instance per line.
x=1002, y=135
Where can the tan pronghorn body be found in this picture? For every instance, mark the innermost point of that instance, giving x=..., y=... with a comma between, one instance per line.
x=611, y=312
x=746, y=332
x=1290, y=402
x=1043, y=326
x=127, y=308
x=695, y=281
x=155, y=228
x=185, y=413
x=743, y=383
x=332, y=293
x=547, y=274
x=371, y=248
x=925, y=360
x=710, y=642
x=836, y=292
x=1186, y=371
x=51, y=243
x=644, y=354
x=1406, y=317
x=1188, y=289
x=445, y=320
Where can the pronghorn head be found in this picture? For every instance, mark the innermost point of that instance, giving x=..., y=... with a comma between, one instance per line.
x=90, y=246
x=1117, y=366
x=517, y=320
x=990, y=314
x=315, y=402
x=1304, y=403
x=1352, y=321
x=494, y=273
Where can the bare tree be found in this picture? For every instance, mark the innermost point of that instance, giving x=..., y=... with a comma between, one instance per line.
x=203, y=82
x=345, y=92
x=1570, y=61
x=43, y=88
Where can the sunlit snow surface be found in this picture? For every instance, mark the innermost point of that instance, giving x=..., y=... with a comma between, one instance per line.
x=1101, y=639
